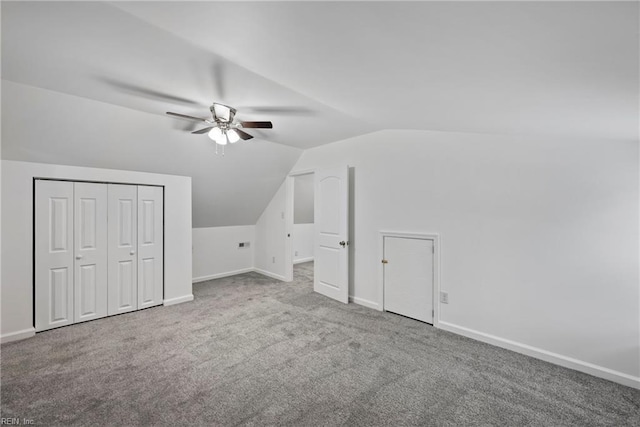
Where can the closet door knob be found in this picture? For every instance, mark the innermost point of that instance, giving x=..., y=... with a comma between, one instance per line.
x=78, y=256
x=132, y=253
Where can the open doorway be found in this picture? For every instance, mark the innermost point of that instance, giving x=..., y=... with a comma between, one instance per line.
x=330, y=238
x=302, y=232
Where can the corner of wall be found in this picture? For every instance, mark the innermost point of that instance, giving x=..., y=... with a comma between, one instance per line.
x=222, y=251
x=269, y=255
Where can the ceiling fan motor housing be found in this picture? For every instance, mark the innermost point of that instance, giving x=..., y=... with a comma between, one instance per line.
x=222, y=113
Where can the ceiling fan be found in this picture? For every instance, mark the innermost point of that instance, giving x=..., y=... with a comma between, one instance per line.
x=222, y=128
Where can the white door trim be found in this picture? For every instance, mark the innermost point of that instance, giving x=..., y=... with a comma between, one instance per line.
x=436, y=267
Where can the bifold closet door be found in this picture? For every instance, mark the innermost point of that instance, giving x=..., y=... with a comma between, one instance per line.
x=53, y=254
x=123, y=238
x=70, y=253
x=150, y=246
x=90, y=218
x=86, y=266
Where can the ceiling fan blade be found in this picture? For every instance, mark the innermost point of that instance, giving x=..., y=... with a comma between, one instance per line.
x=218, y=79
x=184, y=116
x=146, y=92
x=257, y=125
x=205, y=130
x=243, y=134
x=289, y=110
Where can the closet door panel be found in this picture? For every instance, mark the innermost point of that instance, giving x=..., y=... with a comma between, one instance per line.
x=150, y=246
x=53, y=254
x=148, y=280
x=123, y=237
x=90, y=224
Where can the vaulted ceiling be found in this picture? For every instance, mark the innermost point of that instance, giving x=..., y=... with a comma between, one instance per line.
x=88, y=83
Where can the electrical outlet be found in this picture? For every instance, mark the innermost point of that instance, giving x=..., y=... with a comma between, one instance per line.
x=295, y=253
x=273, y=260
x=444, y=297
x=247, y=244
x=282, y=215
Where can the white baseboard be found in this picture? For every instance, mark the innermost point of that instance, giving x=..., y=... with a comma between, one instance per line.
x=18, y=335
x=547, y=356
x=270, y=274
x=221, y=275
x=233, y=273
x=363, y=302
x=178, y=300
x=301, y=260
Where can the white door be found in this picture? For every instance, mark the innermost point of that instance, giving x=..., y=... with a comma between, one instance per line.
x=408, y=277
x=53, y=254
x=331, y=217
x=90, y=218
x=123, y=246
x=150, y=246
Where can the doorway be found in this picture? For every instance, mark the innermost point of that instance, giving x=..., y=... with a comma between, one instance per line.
x=302, y=231
x=300, y=247
x=331, y=231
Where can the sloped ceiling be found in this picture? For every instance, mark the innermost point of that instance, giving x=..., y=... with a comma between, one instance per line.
x=104, y=74
x=561, y=68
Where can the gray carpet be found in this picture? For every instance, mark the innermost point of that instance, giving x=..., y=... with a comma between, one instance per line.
x=254, y=351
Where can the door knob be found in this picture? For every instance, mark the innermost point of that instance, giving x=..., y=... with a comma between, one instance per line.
x=343, y=243
x=132, y=253
x=78, y=256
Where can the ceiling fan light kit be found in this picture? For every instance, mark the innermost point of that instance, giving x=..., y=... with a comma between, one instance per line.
x=223, y=129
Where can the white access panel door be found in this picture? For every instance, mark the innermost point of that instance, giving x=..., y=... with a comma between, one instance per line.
x=408, y=277
x=90, y=237
x=331, y=216
x=123, y=247
x=150, y=246
x=53, y=254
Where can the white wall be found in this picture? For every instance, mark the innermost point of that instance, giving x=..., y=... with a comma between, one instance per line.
x=216, y=252
x=226, y=190
x=302, y=238
x=539, y=237
x=17, y=234
x=271, y=234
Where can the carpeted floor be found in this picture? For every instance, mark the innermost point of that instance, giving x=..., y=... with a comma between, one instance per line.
x=255, y=351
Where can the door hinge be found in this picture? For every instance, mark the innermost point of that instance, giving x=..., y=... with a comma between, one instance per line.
x=384, y=261
x=433, y=249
